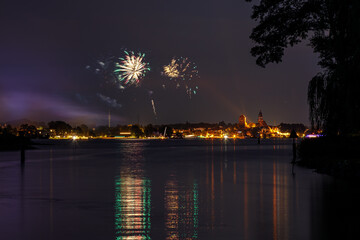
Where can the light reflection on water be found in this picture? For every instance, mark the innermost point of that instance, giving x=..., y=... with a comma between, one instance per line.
x=132, y=208
x=180, y=203
x=132, y=196
x=181, y=211
x=133, y=201
x=227, y=184
x=170, y=190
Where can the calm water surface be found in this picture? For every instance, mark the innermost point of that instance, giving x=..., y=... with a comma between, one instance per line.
x=179, y=189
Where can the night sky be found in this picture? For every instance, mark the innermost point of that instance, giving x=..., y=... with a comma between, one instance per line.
x=45, y=47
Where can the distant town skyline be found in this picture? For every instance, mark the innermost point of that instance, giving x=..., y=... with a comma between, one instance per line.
x=242, y=122
x=46, y=48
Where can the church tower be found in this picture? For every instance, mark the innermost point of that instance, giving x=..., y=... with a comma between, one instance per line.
x=261, y=121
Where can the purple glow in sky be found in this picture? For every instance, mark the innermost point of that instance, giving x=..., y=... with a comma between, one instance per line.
x=17, y=105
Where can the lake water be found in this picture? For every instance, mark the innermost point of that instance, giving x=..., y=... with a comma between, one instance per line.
x=171, y=189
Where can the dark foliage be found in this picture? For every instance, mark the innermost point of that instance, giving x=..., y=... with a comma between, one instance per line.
x=60, y=127
x=9, y=141
x=149, y=130
x=332, y=29
x=337, y=156
x=288, y=127
x=136, y=131
x=29, y=131
x=82, y=130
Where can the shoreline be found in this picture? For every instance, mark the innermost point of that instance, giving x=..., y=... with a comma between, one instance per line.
x=334, y=156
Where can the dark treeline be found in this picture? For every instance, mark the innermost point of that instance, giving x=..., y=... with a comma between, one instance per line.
x=12, y=139
x=297, y=127
x=188, y=125
x=332, y=29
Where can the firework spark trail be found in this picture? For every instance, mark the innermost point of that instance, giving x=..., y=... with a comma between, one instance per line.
x=153, y=105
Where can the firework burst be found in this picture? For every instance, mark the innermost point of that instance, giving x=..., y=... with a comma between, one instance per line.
x=172, y=70
x=131, y=69
x=182, y=72
x=180, y=69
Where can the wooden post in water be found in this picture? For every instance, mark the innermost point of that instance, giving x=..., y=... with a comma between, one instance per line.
x=22, y=154
x=293, y=135
x=22, y=148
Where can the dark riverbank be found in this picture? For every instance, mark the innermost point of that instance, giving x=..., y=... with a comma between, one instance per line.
x=336, y=156
x=9, y=142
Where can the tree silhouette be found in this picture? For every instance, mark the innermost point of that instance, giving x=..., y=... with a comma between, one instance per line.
x=60, y=127
x=29, y=130
x=149, y=130
x=332, y=28
x=136, y=131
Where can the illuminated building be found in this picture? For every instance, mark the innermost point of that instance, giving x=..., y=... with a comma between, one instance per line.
x=242, y=121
